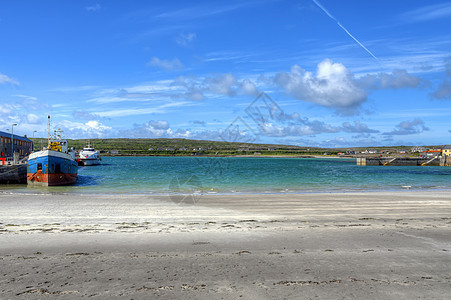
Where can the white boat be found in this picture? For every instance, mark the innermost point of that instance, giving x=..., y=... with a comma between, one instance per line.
x=89, y=156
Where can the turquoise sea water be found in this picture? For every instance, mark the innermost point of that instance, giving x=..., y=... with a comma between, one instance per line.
x=203, y=175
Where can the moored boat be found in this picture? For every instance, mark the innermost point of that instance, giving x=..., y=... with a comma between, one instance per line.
x=89, y=156
x=55, y=165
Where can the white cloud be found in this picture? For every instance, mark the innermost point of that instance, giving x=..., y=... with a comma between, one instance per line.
x=195, y=95
x=408, y=127
x=158, y=128
x=159, y=124
x=201, y=11
x=159, y=90
x=333, y=86
x=6, y=79
x=194, y=88
x=168, y=65
x=273, y=121
x=310, y=128
x=77, y=130
x=184, y=39
x=247, y=87
x=357, y=127
x=162, y=129
x=443, y=91
x=84, y=115
x=448, y=67
x=163, y=108
x=33, y=119
x=158, y=86
x=222, y=84
x=128, y=112
x=110, y=99
x=396, y=80
x=5, y=108
x=96, y=125
x=26, y=111
x=228, y=56
x=93, y=8
x=75, y=89
x=26, y=97
x=428, y=13
x=189, y=87
x=198, y=122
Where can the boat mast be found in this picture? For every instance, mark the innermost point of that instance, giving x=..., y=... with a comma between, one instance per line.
x=48, y=134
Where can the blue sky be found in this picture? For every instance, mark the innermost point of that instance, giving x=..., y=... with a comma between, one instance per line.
x=311, y=73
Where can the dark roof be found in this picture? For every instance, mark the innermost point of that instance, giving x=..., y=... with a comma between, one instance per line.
x=447, y=147
x=16, y=137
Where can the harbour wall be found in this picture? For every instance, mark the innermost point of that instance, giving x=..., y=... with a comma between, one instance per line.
x=445, y=161
x=13, y=174
x=403, y=161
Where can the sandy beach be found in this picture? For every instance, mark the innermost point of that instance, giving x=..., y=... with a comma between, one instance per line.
x=381, y=245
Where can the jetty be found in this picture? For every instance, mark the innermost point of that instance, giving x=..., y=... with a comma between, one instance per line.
x=13, y=171
x=13, y=174
x=404, y=161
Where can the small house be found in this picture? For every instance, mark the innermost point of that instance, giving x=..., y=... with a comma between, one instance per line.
x=446, y=150
x=417, y=149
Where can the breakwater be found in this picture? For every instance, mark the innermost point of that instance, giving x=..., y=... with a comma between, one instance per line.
x=403, y=161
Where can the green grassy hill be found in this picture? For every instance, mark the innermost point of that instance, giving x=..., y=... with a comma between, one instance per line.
x=183, y=147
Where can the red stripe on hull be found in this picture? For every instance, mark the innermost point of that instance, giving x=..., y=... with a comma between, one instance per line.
x=51, y=179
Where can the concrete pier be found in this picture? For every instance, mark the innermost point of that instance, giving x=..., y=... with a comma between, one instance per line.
x=13, y=173
x=402, y=161
x=445, y=161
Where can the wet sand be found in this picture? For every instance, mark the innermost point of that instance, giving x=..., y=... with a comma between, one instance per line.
x=390, y=245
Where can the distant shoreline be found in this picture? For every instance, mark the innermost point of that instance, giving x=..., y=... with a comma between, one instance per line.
x=241, y=156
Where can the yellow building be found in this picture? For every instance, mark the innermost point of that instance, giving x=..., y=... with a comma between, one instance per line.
x=446, y=150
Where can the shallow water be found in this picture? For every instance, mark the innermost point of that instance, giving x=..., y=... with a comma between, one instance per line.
x=202, y=175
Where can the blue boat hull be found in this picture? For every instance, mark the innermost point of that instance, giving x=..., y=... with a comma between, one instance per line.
x=51, y=169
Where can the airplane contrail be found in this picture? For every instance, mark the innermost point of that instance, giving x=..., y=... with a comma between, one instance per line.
x=342, y=27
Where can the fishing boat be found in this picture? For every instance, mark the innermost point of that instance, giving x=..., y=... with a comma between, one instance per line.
x=89, y=156
x=55, y=165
